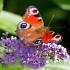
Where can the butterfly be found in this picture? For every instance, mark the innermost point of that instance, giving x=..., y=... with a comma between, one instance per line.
x=32, y=30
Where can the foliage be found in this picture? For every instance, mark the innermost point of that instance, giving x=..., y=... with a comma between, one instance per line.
x=64, y=4
x=9, y=22
x=1, y=5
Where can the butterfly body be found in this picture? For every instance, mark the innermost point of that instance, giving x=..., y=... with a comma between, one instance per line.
x=32, y=30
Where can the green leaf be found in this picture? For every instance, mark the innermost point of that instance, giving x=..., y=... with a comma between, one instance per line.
x=64, y=4
x=9, y=21
x=1, y=5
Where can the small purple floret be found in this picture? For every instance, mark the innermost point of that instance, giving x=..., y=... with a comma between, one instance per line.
x=31, y=56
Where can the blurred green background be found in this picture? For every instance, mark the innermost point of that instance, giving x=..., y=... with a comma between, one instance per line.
x=11, y=12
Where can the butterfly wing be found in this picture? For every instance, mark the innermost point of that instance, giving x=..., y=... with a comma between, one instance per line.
x=33, y=17
x=30, y=28
x=51, y=37
x=28, y=34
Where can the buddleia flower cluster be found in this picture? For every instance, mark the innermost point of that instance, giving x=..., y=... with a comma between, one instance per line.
x=31, y=56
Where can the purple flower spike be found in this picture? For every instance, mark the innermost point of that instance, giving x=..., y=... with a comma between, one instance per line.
x=31, y=56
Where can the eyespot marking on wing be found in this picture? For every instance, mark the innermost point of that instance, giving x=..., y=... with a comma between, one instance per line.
x=24, y=25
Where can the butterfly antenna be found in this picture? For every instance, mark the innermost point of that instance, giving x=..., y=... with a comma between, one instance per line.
x=50, y=20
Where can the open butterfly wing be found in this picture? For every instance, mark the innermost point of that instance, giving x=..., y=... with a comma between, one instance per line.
x=33, y=17
x=51, y=37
